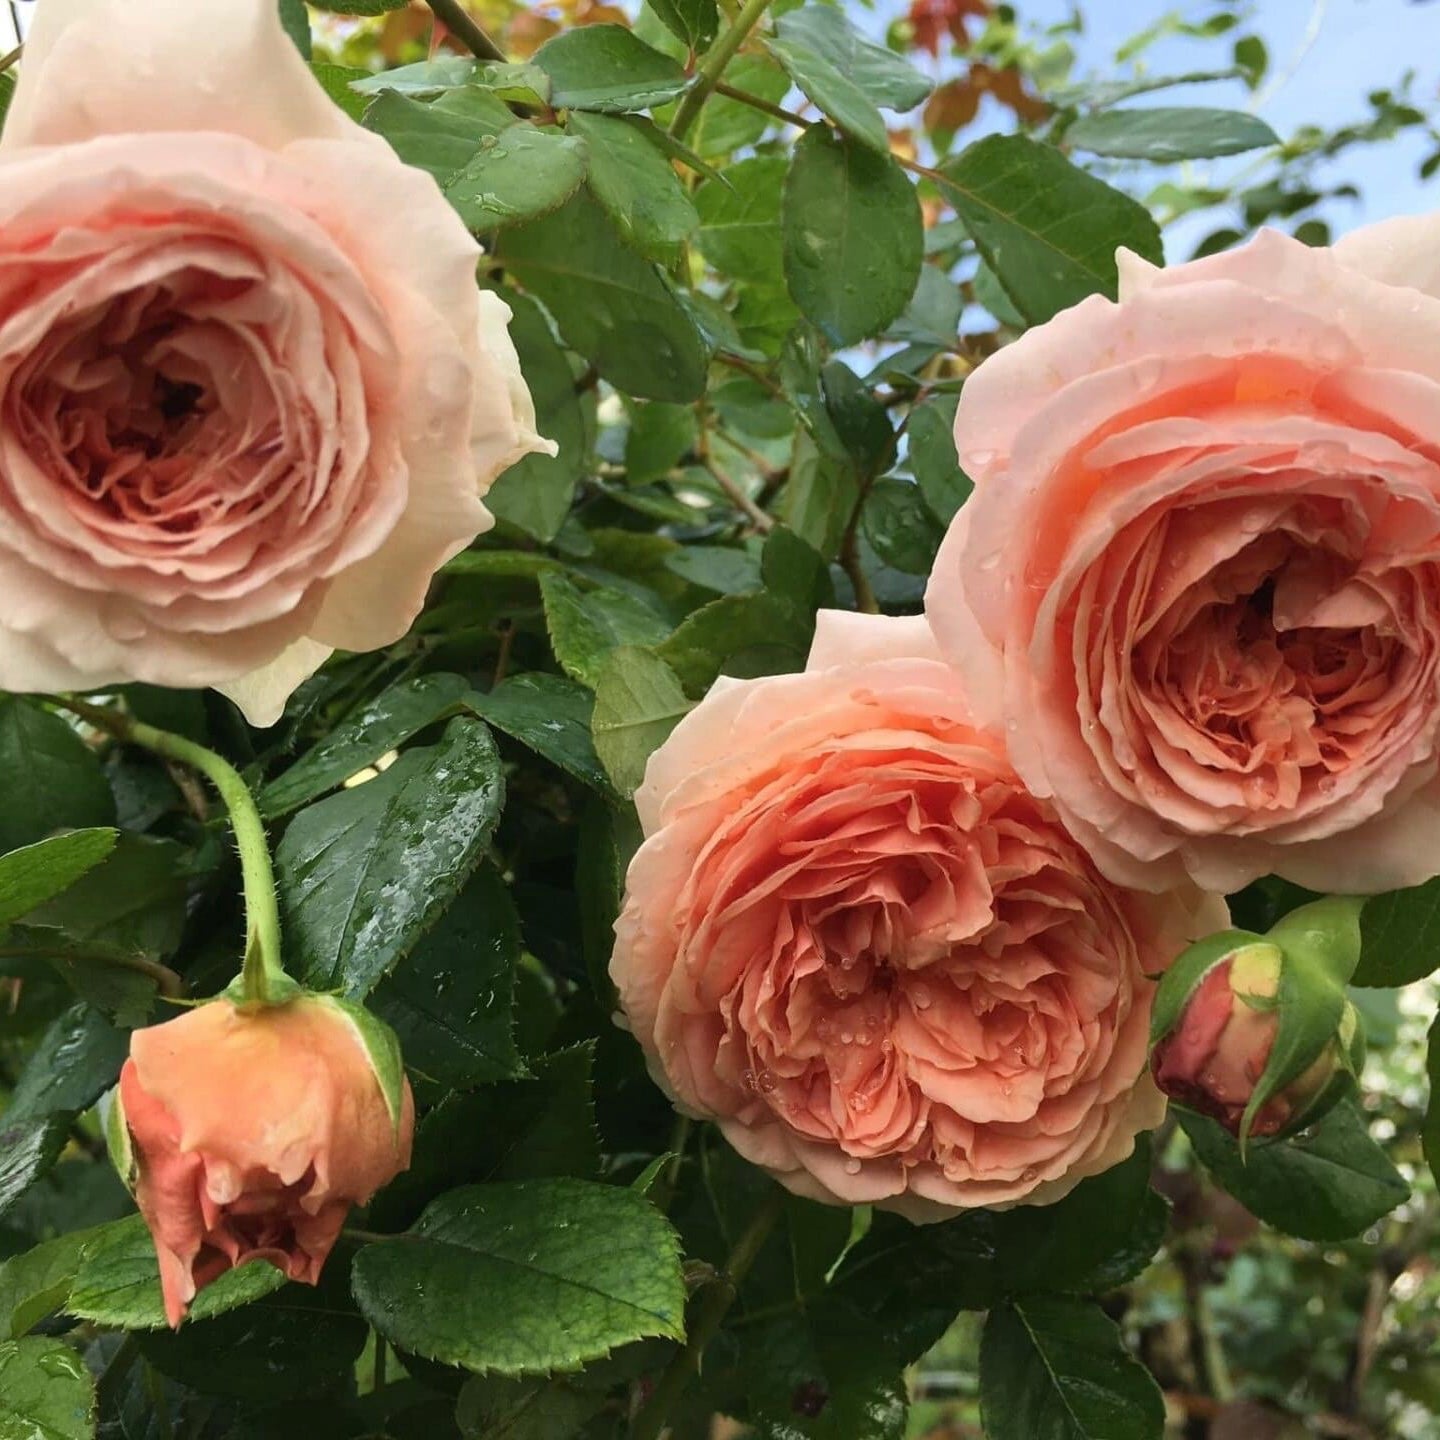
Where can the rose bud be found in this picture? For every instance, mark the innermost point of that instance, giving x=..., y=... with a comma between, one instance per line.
x=248, y=1133
x=1217, y=1051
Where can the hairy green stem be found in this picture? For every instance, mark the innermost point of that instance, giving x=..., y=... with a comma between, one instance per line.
x=262, y=976
x=711, y=1306
x=712, y=68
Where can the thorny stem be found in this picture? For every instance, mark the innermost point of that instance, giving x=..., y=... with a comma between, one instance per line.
x=712, y=68
x=711, y=1307
x=466, y=29
x=262, y=974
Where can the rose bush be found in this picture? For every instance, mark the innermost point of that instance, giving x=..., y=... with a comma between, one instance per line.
x=1203, y=548
x=854, y=940
x=252, y=397
x=897, y=922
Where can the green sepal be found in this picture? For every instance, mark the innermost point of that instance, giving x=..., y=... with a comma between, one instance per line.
x=119, y=1143
x=1324, y=935
x=1179, y=982
x=280, y=989
x=1310, y=1005
x=382, y=1045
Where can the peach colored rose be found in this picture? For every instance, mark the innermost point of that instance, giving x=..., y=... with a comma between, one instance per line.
x=253, y=1134
x=250, y=396
x=853, y=939
x=1204, y=550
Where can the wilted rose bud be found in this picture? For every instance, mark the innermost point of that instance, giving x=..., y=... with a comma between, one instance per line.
x=248, y=1133
x=1214, y=1056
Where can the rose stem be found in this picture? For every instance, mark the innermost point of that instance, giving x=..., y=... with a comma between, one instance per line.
x=262, y=977
x=466, y=29
x=711, y=1307
x=712, y=68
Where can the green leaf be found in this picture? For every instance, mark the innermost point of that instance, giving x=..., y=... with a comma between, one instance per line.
x=717, y=567
x=552, y=716
x=1047, y=229
x=451, y=1002
x=516, y=175
x=795, y=570
x=1328, y=1183
x=744, y=635
x=1099, y=94
x=46, y=1392
x=34, y=873
x=608, y=68
x=53, y=779
x=901, y=526
x=659, y=436
x=1166, y=133
x=520, y=83
x=118, y=1282
x=338, y=82
x=359, y=7
x=297, y=1341
x=859, y=420
x=933, y=463
x=132, y=902
x=585, y=626
x=609, y=837
x=296, y=20
x=852, y=234
x=692, y=21
x=536, y=492
x=638, y=702
x=27, y=1150
x=1064, y=1246
x=380, y=726
x=362, y=874
x=1399, y=936
x=824, y=1375
x=740, y=221
x=844, y=74
x=77, y=1059
x=37, y=1283
x=490, y=1407
x=527, y=1277
x=427, y=77
x=635, y=182
x=1054, y=1369
x=820, y=497
x=440, y=139
x=526, y=1129
x=612, y=306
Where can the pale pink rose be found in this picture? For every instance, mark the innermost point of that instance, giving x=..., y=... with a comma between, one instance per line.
x=250, y=396
x=1202, y=563
x=853, y=939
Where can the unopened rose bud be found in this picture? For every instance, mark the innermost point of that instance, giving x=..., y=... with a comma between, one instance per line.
x=1213, y=1058
x=248, y=1133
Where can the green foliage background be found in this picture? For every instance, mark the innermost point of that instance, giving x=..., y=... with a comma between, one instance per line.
x=746, y=295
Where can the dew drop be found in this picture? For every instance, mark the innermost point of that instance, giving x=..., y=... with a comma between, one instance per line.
x=991, y=560
x=852, y=1167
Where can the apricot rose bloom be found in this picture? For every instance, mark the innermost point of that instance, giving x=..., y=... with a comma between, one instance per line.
x=853, y=939
x=253, y=1133
x=1203, y=560
x=250, y=396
